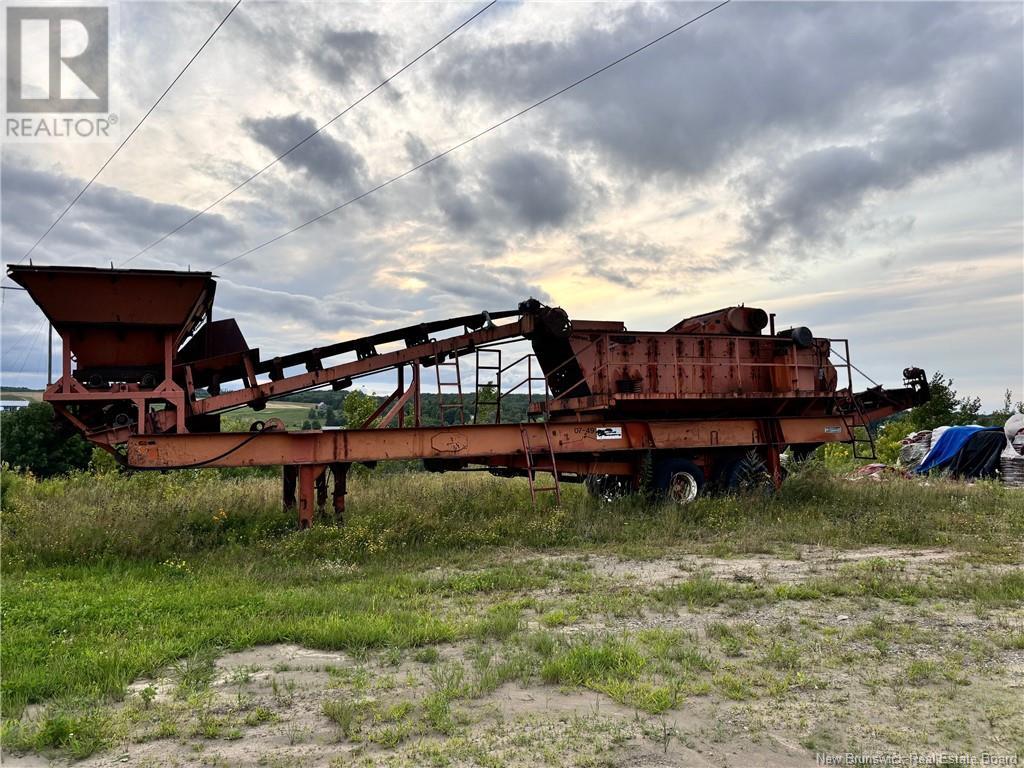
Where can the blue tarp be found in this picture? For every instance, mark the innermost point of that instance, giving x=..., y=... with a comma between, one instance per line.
x=946, y=449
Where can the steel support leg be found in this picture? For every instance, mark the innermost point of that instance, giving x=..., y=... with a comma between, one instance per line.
x=307, y=494
x=775, y=465
x=340, y=472
x=321, y=492
x=289, y=475
x=773, y=431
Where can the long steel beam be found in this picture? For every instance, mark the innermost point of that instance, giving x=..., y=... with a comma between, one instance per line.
x=234, y=449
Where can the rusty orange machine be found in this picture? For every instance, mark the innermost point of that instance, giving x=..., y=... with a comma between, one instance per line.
x=710, y=403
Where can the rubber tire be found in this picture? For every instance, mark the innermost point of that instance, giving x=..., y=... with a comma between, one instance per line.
x=737, y=476
x=666, y=468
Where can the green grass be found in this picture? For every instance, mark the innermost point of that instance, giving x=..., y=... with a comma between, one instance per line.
x=500, y=622
x=89, y=630
x=427, y=656
x=922, y=672
x=733, y=686
x=651, y=671
x=348, y=715
x=592, y=664
x=701, y=591
x=110, y=578
x=75, y=730
x=149, y=516
x=889, y=583
x=21, y=394
x=731, y=640
x=784, y=656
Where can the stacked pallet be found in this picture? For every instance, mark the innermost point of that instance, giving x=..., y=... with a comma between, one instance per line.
x=914, y=447
x=1011, y=470
x=1011, y=461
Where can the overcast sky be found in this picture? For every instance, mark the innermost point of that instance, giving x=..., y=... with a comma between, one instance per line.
x=852, y=167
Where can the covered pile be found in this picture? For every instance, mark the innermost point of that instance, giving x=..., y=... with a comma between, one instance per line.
x=972, y=451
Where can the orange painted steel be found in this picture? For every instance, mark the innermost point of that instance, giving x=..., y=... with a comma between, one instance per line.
x=470, y=443
x=144, y=366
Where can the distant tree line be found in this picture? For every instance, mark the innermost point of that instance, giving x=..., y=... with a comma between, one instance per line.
x=350, y=408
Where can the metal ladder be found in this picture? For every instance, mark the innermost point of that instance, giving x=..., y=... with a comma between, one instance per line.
x=850, y=410
x=496, y=369
x=531, y=469
x=459, y=406
x=853, y=417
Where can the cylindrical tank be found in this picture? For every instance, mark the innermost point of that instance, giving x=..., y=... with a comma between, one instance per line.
x=730, y=320
x=801, y=336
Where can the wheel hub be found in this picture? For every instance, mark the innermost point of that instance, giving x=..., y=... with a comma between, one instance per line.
x=683, y=488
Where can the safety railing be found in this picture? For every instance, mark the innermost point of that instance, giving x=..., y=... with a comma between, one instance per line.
x=678, y=365
x=534, y=381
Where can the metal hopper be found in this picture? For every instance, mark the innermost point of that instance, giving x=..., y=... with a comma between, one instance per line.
x=119, y=323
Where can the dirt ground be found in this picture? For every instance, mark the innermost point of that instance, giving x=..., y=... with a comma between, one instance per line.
x=793, y=681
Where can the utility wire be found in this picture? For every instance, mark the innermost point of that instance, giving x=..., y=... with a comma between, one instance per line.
x=472, y=138
x=31, y=347
x=34, y=336
x=295, y=146
x=128, y=137
x=11, y=350
x=854, y=367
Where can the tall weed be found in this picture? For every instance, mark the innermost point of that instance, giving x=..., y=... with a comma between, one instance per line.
x=156, y=517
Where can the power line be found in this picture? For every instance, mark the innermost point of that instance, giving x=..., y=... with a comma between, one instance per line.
x=291, y=149
x=31, y=336
x=476, y=136
x=9, y=350
x=854, y=367
x=31, y=347
x=12, y=350
x=128, y=137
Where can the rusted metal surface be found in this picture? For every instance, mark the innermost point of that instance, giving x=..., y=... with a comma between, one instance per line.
x=117, y=320
x=623, y=370
x=139, y=346
x=584, y=440
x=731, y=320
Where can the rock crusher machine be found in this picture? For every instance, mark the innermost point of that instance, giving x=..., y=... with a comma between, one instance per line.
x=710, y=403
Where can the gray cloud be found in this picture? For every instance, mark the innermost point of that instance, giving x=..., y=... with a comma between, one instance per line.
x=536, y=189
x=240, y=300
x=765, y=80
x=625, y=261
x=445, y=186
x=474, y=285
x=695, y=99
x=342, y=55
x=106, y=225
x=634, y=261
x=514, y=191
x=332, y=161
x=811, y=197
